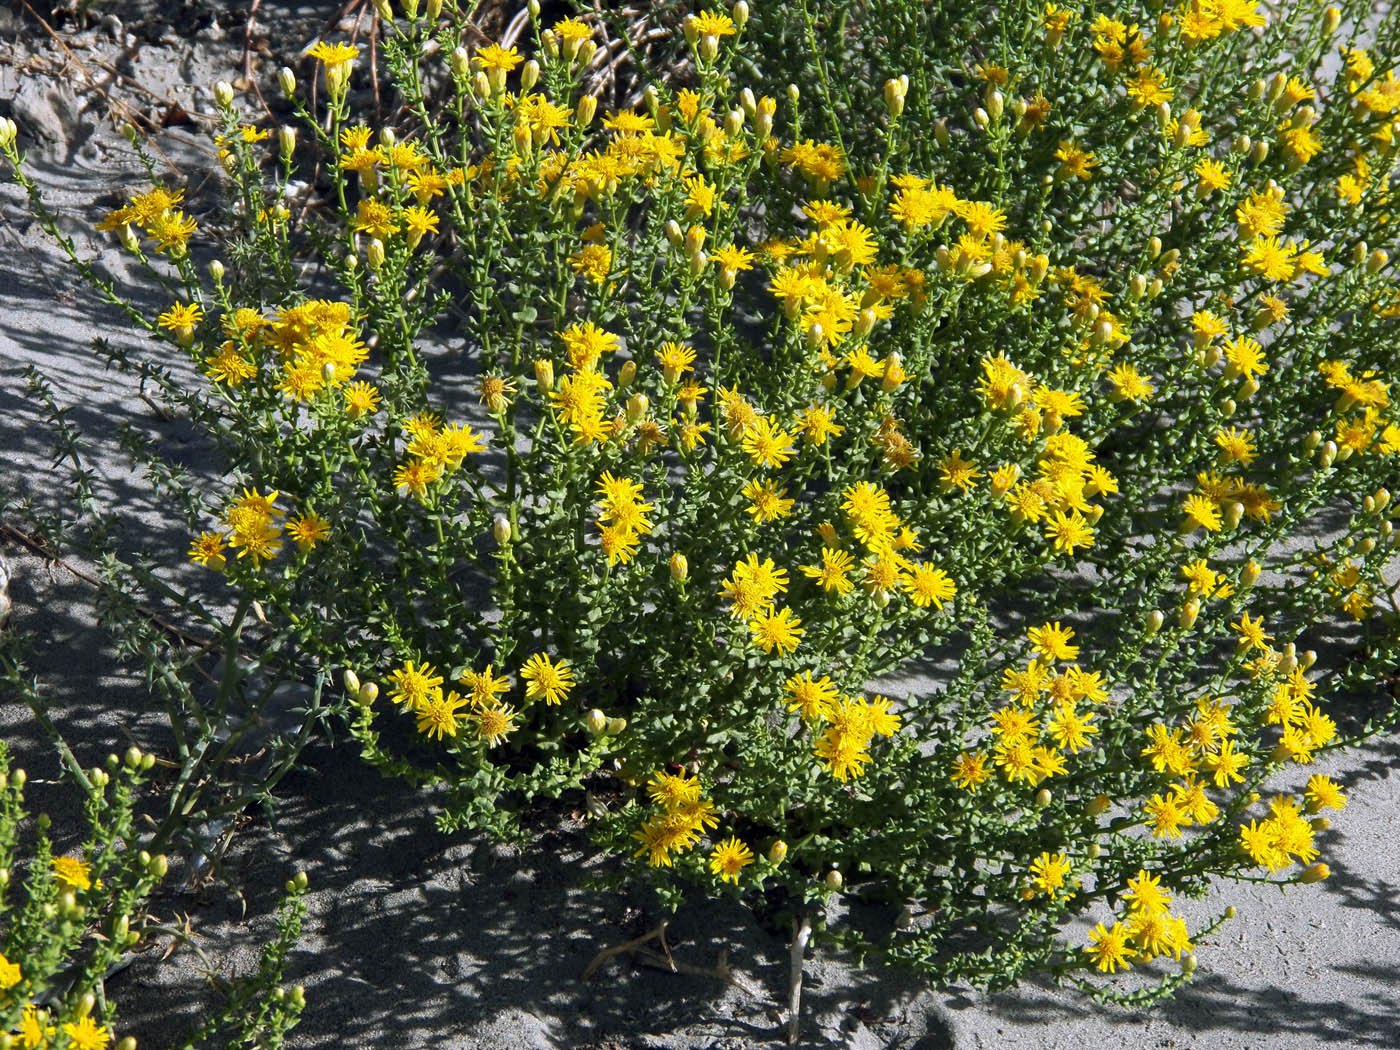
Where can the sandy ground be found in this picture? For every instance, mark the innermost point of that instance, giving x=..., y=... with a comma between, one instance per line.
x=415, y=939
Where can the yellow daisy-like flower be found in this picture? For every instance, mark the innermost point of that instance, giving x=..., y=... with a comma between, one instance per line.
x=494, y=722
x=308, y=530
x=415, y=685
x=87, y=1034
x=437, y=716
x=729, y=858
x=546, y=679
x=208, y=550
x=73, y=873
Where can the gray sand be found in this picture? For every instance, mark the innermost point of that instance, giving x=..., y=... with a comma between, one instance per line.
x=415, y=939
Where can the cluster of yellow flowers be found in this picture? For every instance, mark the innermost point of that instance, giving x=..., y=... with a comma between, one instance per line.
x=254, y=527
x=1021, y=746
x=311, y=348
x=418, y=688
x=435, y=449
x=156, y=213
x=34, y=1031
x=622, y=518
x=1286, y=834
x=684, y=818
x=1146, y=931
x=848, y=725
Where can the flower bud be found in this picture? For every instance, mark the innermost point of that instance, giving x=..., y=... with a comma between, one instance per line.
x=980, y=117
x=1375, y=262
x=8, y=131
x=529, y=75
x=1187, y=617
x=1155, y=619
x=159, y=866
x=996, y=104
x=352, y=681
x=385, y=11
x=595, y=721
x=1043, y=798
x=585, y=110
x=133, y=757
x=1188, y=963
x=287, y=81
x=894, y=98
x=793, y=93
x=300, y=881
x=834, y=879
x=616, y=726
x=481, y=86
x=223, y=94
x=544, y=375
x=777, y=852
x=460, y=61
x=940, y=131
x=369, y=693
x=1250, y=573
x=1259, y=153
x=286, y=141
x=740, y=13
x=1314, y=873
x=500, y=529
x=1331, y=19
x=680, y=568
x=637, y=406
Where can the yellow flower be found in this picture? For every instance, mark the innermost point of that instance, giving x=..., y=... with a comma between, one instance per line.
x=1068, y=532
x=208, y=550
x=1051, y=641
x=767, y=502
x=414, y=686
x=928, y=585
x=72, y=873
x=493, y=56
x=87, y=1034
x=547, y=679
x=1048, y=873
x=1108, y=948
x=776, y=630
x=494, y=722
x=970, y=771
x=729, y=858
x=437, y=715
x=833, y=574
x=308, y=530
x=713, y=23
x=10, y=974
x=766, y=444
x=334, y=54
x=1074, y=161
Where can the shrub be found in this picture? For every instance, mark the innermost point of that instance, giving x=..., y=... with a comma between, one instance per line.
x=626, y=450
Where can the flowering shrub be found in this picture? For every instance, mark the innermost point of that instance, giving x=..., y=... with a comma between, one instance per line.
x=626, y=450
